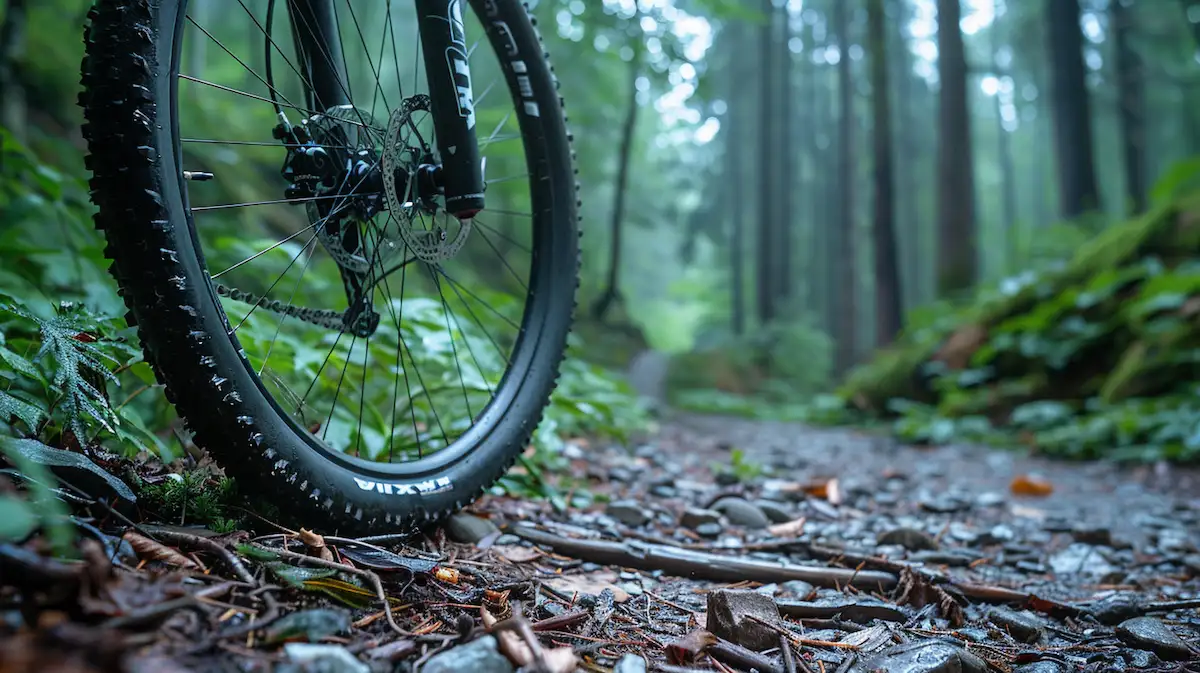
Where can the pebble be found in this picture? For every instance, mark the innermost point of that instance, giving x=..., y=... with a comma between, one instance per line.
x=797, y=588
x=1023, y=626
x=1148, y=633
x=928, y=656
x=944, y=504
x=663, y=491
x=478, y=656
x=1042, y=666
x=630, y=663
x=325, y=657
x=468, y=528
x=741, y=512
x=1080, y=559
x=1094, y=535
x=909, y=538
x=629, y=512
x=710, y=529
x=990, y=499
x=727, y=618
x=508, y=539
x=777, y=512
x=694, y=516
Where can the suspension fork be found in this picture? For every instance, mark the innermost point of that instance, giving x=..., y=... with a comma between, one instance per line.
x=444, y=46
x=319, y=53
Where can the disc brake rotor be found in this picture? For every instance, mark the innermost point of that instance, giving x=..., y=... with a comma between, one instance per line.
x=411, y=210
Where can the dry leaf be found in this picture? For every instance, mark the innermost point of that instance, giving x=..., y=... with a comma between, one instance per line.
x=592, y=584
x=1031, y=485
x=826, y=490
x=516, y=553
x=916, y=590
x=791, y=528
x=684, y=651
x=315, y=544
x=956, y=352
x=151, y=550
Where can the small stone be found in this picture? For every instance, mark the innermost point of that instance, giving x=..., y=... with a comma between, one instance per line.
x=632, y=588
x=324, y=657
x=630, y=663
x=620, y=474
x=1192, y=562
x=777, y=512
x=507, y=539
x=664, y=491
x=477, y=656
x=694, y=516
x=1148, y=633
x=629, y=512
x=710, y=529
x=909, y=538
x=944, y=504
x=797, y=588
x=741, y=512
x=997, y=534
x=1023, y=626
x=1081, y=559
x=1042, y=666
x=927, y=656
x=1093, y=535
x=989, y=499
x=468, y=528
x=728, y=618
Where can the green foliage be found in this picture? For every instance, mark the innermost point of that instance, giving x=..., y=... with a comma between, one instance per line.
x=1097, y=357
x=41, y=503
x=194, y=497
x=61, y=370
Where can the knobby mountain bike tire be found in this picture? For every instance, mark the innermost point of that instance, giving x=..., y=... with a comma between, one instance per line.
x=131, y=100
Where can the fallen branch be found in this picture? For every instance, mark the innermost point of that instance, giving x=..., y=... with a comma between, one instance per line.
x=198, y=542
x=701, y=565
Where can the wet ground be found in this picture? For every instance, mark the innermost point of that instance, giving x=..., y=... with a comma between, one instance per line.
x=716, y=544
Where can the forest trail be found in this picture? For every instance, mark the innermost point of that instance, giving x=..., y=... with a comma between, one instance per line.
x=1049, y=565
x=711, y=544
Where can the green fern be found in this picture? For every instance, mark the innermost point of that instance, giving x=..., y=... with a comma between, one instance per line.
x=80, y=371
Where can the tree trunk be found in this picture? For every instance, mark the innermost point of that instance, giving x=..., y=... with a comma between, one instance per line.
x=1072, y=115
x=1131, y=106
x=765, y=259
x=1007, y=172
x=847, y=279
x=784, y=221
x=909, y=152
x=12, y=49
x=887, y=272
x=612, y=292
x=956, y=180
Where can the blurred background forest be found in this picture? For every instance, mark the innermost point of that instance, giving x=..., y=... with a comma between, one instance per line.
x=969, y=220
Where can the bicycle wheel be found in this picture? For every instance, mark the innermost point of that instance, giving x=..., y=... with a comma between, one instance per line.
x=331, y=334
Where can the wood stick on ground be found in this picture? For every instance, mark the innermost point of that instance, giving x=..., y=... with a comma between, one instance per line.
x=365, y=574
x=196, y=542
x=701, y=565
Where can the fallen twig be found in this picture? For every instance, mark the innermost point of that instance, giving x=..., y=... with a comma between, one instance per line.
x=196, y=542
x=739, y=657
x=700, y=565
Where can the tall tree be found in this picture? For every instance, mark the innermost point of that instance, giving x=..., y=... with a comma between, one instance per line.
x=1072, y=110
x=12, y=49
x=766, y=257
x=908, y=151
x=887, y=271
x=1008, y=177
x=1131, y=104
x=957, y=264
x=612, y=290
x=847, y=305
x=786, y=156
